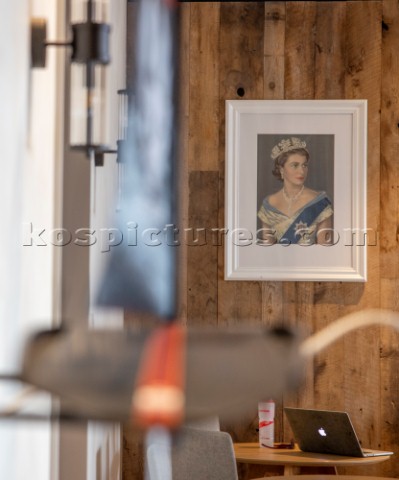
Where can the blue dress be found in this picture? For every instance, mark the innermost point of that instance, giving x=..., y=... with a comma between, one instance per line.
x=299, y=228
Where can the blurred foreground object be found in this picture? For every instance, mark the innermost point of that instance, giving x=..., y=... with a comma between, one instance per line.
x=330, y=334
x=95, y=372
x=141, y=272
x=159, y=396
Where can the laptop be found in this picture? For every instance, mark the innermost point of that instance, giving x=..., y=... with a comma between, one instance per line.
x=324, y=431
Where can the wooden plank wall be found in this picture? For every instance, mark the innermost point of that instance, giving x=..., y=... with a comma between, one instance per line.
x=301, y=50
x=298, y=50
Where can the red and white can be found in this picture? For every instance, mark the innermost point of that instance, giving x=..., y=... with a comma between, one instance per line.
x=266, y=411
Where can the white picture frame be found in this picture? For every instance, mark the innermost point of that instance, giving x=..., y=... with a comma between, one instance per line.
x=335, y=133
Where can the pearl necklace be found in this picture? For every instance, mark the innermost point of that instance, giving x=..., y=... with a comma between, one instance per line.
x=291, y=200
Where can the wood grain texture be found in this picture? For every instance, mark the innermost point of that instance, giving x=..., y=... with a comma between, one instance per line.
x=329, y=78
x=273, y=89
x=299, y=84
x=202, y=250
x=241, y=64
x=273, y=50
x=389, y=349
x=329, y=73
x=184, y=115
x=298, y=315
x=363, y=80
x=204, y=87
x=390, y=146
x=389, y=389
x=133, y=455
x=299, y=50
x=240, y=67
x=241, y=50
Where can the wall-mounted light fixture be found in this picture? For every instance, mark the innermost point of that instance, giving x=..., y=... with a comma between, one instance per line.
x=89, y=50
x=123, y=120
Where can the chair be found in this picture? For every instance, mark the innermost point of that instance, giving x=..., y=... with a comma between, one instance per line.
x=195, y=454
x=203, y=455
x=205, y=423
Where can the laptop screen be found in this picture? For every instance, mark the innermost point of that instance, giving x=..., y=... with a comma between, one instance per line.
x=324, y=431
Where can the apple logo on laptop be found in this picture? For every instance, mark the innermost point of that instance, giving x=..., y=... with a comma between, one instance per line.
x=322, y=432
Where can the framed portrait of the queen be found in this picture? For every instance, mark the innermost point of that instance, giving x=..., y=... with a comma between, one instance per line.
x=296, y=190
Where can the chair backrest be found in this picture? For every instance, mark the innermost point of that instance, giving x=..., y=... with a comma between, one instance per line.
x=205, y=423
x=203, y=455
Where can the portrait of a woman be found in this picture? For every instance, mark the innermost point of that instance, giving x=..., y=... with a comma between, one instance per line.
x=295, y=214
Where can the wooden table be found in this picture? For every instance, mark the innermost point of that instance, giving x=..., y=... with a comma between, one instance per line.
x=293, y=460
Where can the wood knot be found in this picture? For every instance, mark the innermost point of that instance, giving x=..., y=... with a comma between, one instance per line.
x=355, y=67
x=274, y=15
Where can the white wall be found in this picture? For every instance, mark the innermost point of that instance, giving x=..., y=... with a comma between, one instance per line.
x=94, y=454
x=13, y=136
x=31, y=129
x=29, y=117
x=104, y=442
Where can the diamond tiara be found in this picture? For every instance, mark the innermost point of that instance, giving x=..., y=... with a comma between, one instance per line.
x=286, y=145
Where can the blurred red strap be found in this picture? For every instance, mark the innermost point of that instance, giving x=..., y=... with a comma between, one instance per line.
x=159, y=396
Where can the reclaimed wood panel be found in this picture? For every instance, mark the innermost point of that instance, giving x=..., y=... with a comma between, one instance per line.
x=390, y=145
x=389, y=256
x=363, y=80
x=329, y=73
x=273, y=89
x=204, y=87
x=241, y=64
x=202, y=251
x=331, y=24
x=298, y=50
x=389, y=388
x=298, y=314
x=133, y=455
x=299, y=84
x=202, y=163
x=240, y=76
x=183, y=145
x=274, y=51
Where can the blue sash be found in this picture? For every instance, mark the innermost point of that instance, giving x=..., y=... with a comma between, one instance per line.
x=306, y=217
